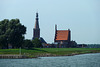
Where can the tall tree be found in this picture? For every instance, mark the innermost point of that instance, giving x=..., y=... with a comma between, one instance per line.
x=11, y=33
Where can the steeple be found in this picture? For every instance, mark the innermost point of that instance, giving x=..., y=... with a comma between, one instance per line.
x=36, y=30
x=36, y=22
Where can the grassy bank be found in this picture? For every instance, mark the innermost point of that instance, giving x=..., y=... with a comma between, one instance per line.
x=39, y=52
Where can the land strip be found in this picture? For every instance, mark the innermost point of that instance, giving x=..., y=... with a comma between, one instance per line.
x=45, y=52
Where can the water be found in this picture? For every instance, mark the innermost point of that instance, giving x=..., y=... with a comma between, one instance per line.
x=84, y=60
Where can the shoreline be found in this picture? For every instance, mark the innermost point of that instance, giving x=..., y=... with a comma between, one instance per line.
x=73, y=54
x=26, y=57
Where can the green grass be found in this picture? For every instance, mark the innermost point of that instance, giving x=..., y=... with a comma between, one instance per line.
x=50, y=51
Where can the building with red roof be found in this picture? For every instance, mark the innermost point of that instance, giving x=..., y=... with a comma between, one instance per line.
x=62, y=37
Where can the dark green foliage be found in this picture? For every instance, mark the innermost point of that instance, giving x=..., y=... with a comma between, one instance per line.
x=11, y=32
x=37, y=43
x=31, y=44
x=28, y=44
x=73, y=44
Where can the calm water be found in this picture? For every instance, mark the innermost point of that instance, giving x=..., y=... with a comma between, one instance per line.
x=84, y=60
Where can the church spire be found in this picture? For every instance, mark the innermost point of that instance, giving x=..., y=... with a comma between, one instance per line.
x=36, y=22
x=36, y=30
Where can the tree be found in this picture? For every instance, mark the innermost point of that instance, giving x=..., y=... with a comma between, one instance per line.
x=27, y=44
x=37, y=43
x=73, y=44
x=11, y=32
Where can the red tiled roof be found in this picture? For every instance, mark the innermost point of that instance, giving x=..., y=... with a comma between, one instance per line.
x=62, y=35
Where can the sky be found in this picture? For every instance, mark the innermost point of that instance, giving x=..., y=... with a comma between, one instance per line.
x=82, y=17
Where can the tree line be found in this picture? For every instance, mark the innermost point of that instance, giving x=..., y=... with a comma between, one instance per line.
x=12, y=35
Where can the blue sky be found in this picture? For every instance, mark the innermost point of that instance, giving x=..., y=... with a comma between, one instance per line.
x=82, y=17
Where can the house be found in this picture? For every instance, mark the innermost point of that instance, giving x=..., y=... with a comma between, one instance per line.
x=62, y=37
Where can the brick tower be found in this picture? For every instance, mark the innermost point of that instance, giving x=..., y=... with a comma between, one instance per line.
x=36, y=30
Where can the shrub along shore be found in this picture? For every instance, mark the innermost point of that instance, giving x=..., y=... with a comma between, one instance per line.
x=47, y=52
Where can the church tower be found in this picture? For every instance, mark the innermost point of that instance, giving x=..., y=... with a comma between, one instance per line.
x=36, y=30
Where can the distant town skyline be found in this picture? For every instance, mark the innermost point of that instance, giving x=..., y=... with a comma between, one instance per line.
x=82, y=17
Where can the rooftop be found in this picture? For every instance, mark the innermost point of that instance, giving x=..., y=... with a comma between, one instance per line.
x=62, y=34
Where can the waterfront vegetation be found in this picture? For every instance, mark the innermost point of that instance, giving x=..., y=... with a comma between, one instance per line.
x=42, y=52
